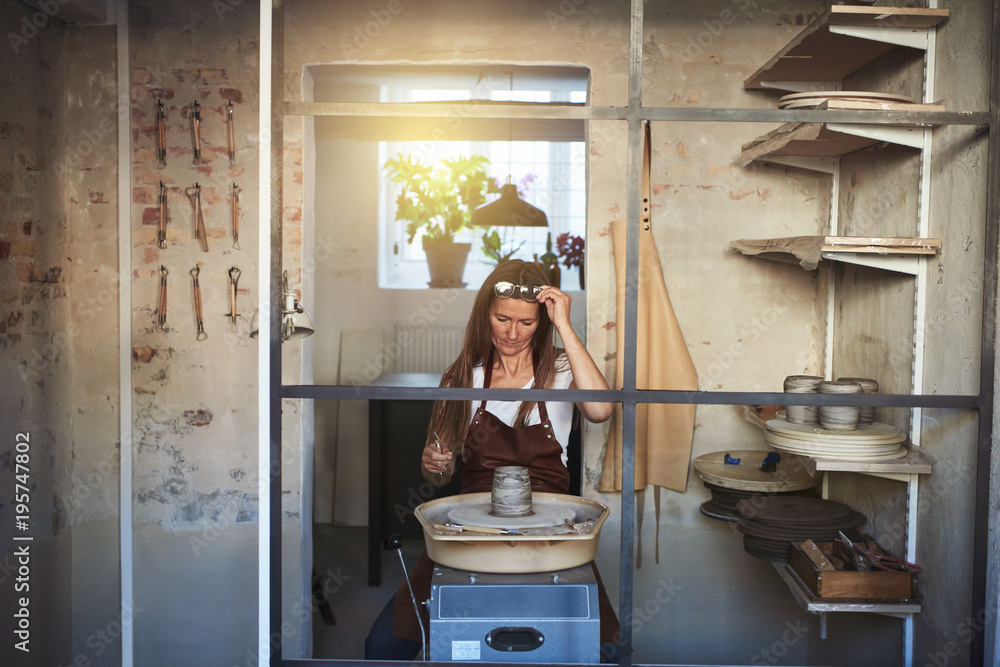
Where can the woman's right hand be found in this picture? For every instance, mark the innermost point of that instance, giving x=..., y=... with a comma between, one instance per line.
x=434, y=461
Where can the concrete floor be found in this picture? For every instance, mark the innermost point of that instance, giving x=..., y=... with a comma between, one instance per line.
x=340, y=562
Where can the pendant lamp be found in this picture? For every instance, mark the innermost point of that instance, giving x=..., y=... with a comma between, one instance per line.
x=509, y=211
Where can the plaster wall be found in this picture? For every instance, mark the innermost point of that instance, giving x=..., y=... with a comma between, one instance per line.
x=194, y=434
x=60, y=291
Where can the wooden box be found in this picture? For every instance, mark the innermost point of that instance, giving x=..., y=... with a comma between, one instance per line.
x=842, y=584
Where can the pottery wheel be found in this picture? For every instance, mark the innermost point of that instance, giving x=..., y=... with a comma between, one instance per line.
x=543, y=515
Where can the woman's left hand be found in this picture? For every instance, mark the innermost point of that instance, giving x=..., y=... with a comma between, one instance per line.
x=557, y=303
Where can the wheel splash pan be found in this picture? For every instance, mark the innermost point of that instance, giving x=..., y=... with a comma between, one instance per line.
x=514, y=553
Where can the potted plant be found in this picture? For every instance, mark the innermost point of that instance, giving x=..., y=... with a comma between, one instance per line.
x=438, y=201
x=571, y=250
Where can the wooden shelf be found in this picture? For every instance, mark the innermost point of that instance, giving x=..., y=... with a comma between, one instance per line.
x=889, y=254
x=842, y=40
x=916, y=462
x=821, y=142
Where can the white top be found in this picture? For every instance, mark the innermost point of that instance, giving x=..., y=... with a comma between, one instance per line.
x=560, y=413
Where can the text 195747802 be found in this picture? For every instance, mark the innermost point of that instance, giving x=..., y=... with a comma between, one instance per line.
x=22, y=548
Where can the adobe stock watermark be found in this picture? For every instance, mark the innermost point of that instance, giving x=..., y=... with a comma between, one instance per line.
x=715, y=27
x=775, y=652
x=965, y=632
x=642, y=615
x=85, y=311
x=560, y=15
x=364, y=33
x=28, y=28
x=422, y=317
x=332, y=583
x=103, y=638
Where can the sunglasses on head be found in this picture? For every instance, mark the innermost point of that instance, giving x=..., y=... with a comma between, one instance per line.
x=506, y=290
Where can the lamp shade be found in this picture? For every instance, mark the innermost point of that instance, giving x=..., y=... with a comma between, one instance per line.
x=508, y=211
x=297, y=325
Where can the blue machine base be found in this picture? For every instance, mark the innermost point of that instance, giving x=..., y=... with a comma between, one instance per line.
x=536, y=617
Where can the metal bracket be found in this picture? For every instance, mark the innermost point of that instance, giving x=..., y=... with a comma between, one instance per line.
x=916, y=38
x=893, y=134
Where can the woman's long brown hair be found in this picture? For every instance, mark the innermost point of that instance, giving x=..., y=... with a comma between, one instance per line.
x=450, y=419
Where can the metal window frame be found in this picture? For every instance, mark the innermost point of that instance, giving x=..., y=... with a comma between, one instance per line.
x=629, y=396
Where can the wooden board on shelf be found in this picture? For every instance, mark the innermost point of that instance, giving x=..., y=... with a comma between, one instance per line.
x=803, y=139
x=865, y=105
x=808, y=250
x=816, y=54
x=790, y=472
x=915, y=462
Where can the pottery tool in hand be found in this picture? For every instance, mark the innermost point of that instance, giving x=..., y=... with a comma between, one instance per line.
x=161, y=308
x=161, y=230
x=232, y=134
x=234, y=278
x=194, y=194
x=161, y=135
x=196, y=130
x=437, y=444
x=236, y=217
x=197, y=304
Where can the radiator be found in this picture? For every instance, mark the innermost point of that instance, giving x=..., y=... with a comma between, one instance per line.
x=426, y=349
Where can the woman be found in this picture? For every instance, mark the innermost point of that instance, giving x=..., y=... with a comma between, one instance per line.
x=508, y=344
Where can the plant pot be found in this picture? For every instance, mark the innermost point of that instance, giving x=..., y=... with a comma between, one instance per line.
x=446, y=262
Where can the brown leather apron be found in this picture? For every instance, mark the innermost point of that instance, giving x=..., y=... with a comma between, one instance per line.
x=489, y=444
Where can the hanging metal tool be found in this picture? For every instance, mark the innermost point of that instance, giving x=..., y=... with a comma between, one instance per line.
x=197, y=304
x=161, y=230
x=232, y=134
x=161, y=135
x=236, y=217
x=196, y=129
x=199, y=221
x=234, y=279
x=161, y=308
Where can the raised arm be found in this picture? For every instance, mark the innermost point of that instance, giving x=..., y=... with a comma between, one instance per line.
x=586, y=374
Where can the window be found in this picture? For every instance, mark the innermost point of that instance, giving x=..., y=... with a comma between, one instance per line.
x=546, y=159
x=549, y=175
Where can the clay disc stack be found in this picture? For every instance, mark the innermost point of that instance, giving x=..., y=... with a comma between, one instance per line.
x=722, y=504
x=730, y=483
x=872, y=442
x=768, y=524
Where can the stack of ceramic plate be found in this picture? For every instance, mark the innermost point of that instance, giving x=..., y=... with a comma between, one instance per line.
x=732, y=482
x=873, y=442
x=813, y=99
x=770, y=524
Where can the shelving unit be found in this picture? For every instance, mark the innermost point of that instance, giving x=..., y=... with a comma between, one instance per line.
x=838, y=43
x=906, y=469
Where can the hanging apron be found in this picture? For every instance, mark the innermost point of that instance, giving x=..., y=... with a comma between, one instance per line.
x=489, y=444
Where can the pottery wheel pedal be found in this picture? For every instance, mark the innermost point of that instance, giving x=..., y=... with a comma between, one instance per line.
x=534, y=617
